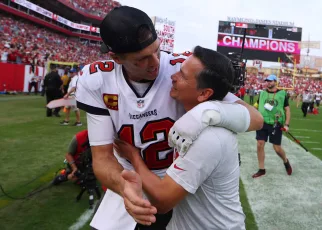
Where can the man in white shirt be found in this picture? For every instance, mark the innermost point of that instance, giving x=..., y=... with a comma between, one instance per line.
x=71, y=94
x=306, y=100
x=202, y=184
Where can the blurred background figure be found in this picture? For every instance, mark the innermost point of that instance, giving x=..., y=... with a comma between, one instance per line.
x=71, y=94
x=53, y=88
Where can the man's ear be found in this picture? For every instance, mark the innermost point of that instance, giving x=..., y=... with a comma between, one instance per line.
x=205, y=94
x=117, y=58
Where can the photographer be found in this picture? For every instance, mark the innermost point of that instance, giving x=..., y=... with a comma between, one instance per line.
x=78, y=145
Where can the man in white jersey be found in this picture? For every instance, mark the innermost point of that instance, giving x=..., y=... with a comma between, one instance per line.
x=130, y=97
x=202, y=184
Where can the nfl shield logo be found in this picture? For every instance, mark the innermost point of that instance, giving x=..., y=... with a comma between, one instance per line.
x=140, y=103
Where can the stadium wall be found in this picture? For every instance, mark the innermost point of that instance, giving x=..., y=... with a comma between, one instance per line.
x=16, y=77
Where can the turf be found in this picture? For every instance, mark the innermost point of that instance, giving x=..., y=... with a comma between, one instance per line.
x=32, y=148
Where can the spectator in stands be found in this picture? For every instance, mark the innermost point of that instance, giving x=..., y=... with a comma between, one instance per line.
x=4, y=53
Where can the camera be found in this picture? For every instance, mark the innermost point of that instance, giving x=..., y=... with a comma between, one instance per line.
x=240, y=70
x=85, y=177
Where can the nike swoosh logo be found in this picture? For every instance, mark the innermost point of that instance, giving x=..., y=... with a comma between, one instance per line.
x=177, y=167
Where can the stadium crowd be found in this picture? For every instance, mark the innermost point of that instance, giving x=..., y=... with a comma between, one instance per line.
x=24, y=42
x=300, y=84
x=94, y=7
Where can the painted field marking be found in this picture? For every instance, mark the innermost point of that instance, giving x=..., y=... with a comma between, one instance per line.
x=279, y=201
x=83, y=219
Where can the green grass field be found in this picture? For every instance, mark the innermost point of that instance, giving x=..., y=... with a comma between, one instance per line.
x=32, y=149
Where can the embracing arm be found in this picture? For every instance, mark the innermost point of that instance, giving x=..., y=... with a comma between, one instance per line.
x=164, y=193
x=256, y=118
x=106, y=167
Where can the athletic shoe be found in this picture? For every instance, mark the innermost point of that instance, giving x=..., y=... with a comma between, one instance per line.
x=78, y=124
x=64, y=123
x=261, y=172
x=288, y=167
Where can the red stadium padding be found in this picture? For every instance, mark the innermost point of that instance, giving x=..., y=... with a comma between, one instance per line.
x=12, y=77
x=16, y=77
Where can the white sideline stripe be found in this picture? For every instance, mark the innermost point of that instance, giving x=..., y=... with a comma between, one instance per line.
x=308, y=130
x=83, y=219
x=306, y=119
x=279, y=201
x=316, y=148
x=310, y=142
x=305, y=137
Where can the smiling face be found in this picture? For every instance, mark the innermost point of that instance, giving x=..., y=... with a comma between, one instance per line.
x=141, y=65
x=185, y=85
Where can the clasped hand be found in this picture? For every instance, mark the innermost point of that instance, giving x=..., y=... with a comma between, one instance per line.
x=139, y=208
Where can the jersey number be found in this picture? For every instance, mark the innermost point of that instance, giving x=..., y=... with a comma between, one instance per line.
x=148, y=134
x=106, y=66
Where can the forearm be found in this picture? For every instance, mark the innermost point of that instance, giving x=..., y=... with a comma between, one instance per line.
x=71, y=161
x=256, y=118
x=108, y=170
x=152, y=184
x=72, y=90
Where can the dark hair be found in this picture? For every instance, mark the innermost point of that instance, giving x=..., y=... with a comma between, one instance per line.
x=218, y=73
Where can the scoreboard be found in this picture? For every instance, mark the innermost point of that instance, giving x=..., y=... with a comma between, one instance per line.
x=263, y=42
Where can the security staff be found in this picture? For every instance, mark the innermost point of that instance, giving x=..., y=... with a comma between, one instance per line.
x=273, y=105
x=53, y=87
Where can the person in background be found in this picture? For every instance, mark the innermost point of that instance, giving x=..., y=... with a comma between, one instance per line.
x=71, y=93
x=65, y=80
x=251, y=94
x=306, y=100
x=318, y=98
x=274, y=106
x=53, y=87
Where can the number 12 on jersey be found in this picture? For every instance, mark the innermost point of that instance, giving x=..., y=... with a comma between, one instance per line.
x=151, y=154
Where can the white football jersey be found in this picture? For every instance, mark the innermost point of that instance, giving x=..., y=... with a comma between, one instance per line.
x=143, y=121
x=72, y=83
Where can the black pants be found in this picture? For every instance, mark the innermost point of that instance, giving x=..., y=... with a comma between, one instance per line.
x=160, y=224
x=304, y=107
x=52, y=94
x=33, y=85
x=311, y=106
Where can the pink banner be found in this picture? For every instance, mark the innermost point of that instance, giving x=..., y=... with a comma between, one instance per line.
x=256, y=43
